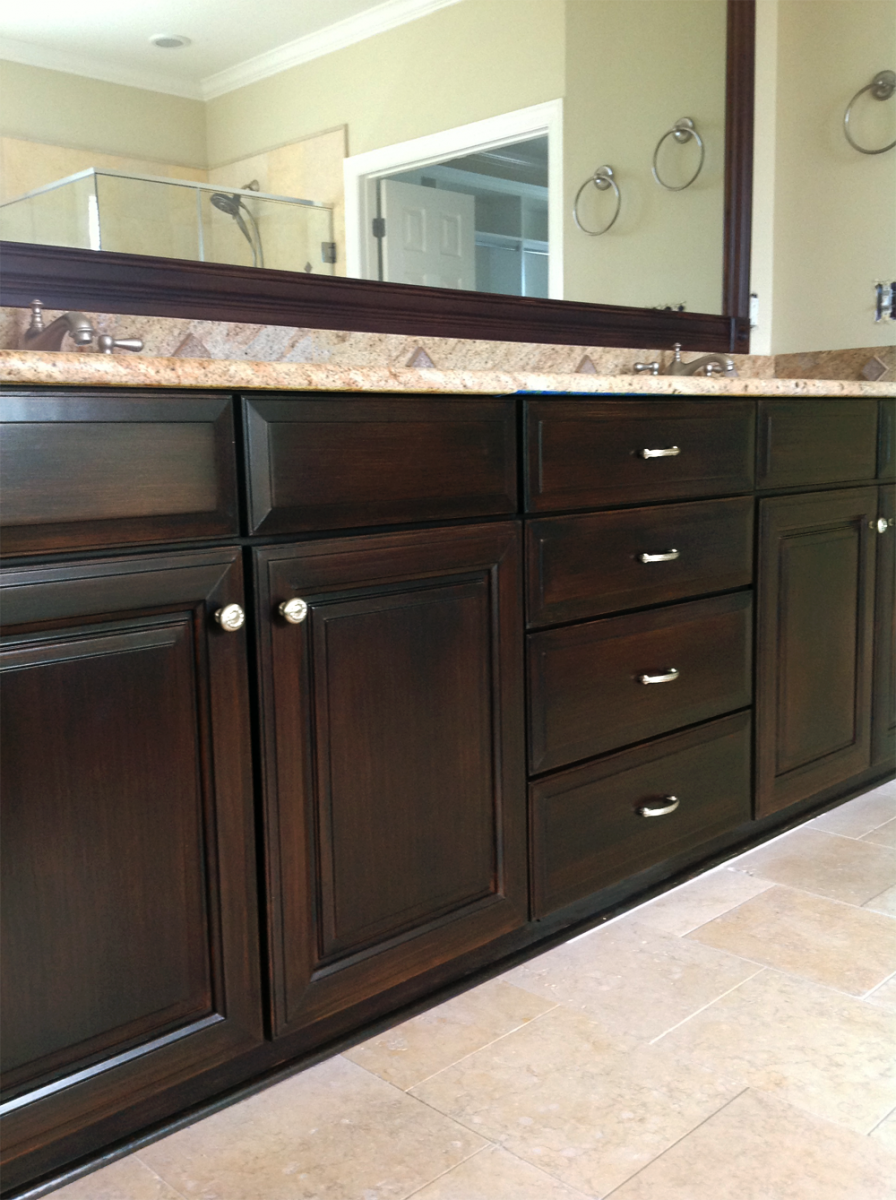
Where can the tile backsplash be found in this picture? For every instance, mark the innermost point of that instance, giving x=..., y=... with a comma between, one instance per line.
x=172, y=337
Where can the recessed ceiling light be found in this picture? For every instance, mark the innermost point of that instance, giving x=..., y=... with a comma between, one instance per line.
x=169, y=41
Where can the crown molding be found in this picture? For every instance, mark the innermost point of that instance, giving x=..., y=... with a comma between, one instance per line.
x=388, y=15
x=32, y=55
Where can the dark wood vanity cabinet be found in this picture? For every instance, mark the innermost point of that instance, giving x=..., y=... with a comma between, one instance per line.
x=224, y=849
x=130, y=946
x=394, y=797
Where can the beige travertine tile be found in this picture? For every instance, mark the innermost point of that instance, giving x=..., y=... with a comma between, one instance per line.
x=128, y=1179
x=493, y=1174
x=569, y=1097
x=884, y=835
x=334, y=1132
x=885, y=1133
x=859, y=816
x=885, y=902
x=825, y=1052
x=825, y=863
x=885, y=994
x=759, y=1148
x=636, y=980
x=416, y=1049
x=698, y=901
x=823, y=940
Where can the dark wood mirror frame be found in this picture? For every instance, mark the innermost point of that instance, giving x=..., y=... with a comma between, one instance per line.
x=141, y=285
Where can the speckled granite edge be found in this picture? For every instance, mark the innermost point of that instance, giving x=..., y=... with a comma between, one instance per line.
x=32, y=367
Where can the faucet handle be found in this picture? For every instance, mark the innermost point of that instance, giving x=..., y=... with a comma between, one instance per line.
x=37, y=316
x=676, y=346
x=106, y=343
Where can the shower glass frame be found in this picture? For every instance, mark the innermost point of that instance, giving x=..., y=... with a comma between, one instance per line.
x=87, y=227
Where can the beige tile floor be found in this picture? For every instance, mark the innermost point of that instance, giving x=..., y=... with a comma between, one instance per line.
x=734, y=1039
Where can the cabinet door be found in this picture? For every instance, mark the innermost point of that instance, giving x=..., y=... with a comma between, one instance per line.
x=884, y=723
x=129, y=918
x=393, y=759
x=814, y=643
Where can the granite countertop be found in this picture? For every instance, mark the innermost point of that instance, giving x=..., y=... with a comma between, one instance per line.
x=110, y=370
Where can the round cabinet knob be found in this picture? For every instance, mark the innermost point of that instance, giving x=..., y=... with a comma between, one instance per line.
x=882, y=524
x=295, y=611
x=231, y=618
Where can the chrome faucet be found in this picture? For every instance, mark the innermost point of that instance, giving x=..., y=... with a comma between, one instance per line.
x=710, y=364
x=40, y=337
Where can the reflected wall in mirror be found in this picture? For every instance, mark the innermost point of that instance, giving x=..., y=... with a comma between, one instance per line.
x=619, y=74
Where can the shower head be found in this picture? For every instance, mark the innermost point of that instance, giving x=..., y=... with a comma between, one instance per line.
x=226, y=204
x=232, y=206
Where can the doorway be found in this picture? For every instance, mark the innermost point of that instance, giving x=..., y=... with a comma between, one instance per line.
x=477, y=207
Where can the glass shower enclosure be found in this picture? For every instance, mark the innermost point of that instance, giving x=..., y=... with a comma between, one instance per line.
x=101, y=209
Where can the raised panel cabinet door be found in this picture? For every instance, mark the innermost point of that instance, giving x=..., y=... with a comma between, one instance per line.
x=393, y=760
x=814, y=643
x=884, y=713
x=129, y=914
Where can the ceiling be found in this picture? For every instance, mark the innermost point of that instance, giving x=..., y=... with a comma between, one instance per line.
x=230, y=45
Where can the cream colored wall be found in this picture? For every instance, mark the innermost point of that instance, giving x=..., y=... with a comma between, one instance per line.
x=834, y=209
x=764, y=162
x=310, y=169
x=454, y=66
x=55, y=108
x=665, y=247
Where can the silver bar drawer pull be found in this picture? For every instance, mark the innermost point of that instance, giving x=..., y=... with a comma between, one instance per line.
x=669, y=805
x=669, y=452
x=668, y=677
x=668, y=556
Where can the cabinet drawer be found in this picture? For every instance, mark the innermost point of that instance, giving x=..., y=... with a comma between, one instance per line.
x=588, y=832
x=587, y=565
x=90, y=469
x=587, y=693
x=805, y=442
x=586, y=453
x=341, y=462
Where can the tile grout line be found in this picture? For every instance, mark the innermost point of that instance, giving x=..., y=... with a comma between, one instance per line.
x=441, y=1175
x=160, y=1178
x=820, y=895
x=677, y=1141
x=484, y=1046
x=891, y=1113
x=878, y=986
x=704, y=1007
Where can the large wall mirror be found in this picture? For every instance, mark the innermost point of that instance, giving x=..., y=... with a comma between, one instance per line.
x=540, y=170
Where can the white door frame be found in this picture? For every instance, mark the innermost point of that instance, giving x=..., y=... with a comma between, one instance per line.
x=360, y=172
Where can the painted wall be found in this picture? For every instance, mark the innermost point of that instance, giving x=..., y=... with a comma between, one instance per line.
x=834, y=209
x=665, y=247
x=59, y=109
x=454, y=66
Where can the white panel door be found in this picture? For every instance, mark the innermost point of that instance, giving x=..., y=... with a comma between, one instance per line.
x=430, y=236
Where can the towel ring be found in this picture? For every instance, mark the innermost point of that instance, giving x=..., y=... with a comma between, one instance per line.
x=602, y=179
x=682, y=131
x=881, y=87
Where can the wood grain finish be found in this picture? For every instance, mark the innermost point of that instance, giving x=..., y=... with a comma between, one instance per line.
x=341, y=462
x=394, y=782
x=585, y=689
x=886, y=456
x=584, y=566
x=587, y=453
x=85, y=469
x=804, y=444
x=586, y=829
x=814, y=643
x=884, y=706
x=129, y=932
